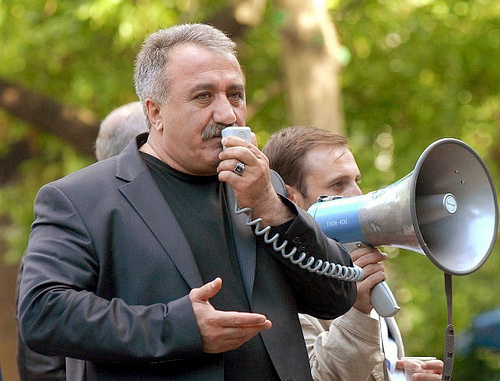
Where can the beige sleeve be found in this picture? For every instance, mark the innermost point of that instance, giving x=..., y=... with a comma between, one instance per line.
x=347, y=348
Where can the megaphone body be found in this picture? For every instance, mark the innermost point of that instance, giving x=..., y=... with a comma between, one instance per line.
x=446, y=209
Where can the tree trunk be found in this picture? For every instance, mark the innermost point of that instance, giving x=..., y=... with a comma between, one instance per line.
x=310, y=46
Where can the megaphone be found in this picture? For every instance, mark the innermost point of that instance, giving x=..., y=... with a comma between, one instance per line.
x=446, y=209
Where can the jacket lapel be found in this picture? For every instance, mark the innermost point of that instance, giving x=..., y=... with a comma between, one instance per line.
x=145, y=197
x=244, y=238
x=244, y=241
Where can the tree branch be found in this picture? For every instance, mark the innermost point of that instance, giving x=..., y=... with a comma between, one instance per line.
x=78, y=127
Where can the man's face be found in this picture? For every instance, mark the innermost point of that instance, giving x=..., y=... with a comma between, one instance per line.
x=205, y=88
x=330, y=170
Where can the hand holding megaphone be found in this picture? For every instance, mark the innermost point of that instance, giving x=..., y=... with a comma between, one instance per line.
x=381, y=296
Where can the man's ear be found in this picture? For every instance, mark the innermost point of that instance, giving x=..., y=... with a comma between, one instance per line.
x=153, y=110
x=293, y=194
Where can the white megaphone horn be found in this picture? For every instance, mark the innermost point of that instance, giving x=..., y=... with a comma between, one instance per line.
x=446, y=208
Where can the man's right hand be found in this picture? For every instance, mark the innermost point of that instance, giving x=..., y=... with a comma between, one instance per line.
x=223, y=331
x=368, y=258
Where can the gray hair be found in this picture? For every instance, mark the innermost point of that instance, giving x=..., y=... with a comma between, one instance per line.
x=150, y=64
x=118, y=128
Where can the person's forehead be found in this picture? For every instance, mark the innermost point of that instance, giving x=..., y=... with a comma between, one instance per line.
x=194, y=59
x=330, y=154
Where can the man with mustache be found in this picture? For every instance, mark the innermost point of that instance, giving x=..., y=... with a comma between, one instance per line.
x=138, y=267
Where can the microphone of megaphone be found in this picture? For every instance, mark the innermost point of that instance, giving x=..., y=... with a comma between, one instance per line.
x=446, y=209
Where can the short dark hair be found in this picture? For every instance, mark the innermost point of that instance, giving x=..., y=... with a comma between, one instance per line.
x=287, y=148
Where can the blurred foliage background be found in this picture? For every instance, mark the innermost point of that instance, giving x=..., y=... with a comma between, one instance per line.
x=413, y=71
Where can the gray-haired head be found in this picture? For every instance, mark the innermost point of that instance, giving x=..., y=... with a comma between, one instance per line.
x=118, y=128
x=152, y=60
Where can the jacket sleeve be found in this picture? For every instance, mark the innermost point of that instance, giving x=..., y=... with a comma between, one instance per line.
x=317, y=295
x=60, y=312
x=347, y=348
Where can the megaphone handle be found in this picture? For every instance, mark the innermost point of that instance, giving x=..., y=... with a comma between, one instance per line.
x=383, y=300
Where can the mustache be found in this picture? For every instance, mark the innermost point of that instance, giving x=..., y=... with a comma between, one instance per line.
x=213, y=130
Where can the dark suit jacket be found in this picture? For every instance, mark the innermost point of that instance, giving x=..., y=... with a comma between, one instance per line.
x=33, y=366
x=108, y=271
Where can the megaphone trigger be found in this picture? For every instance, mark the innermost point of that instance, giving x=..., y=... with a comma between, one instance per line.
x=383, y=300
